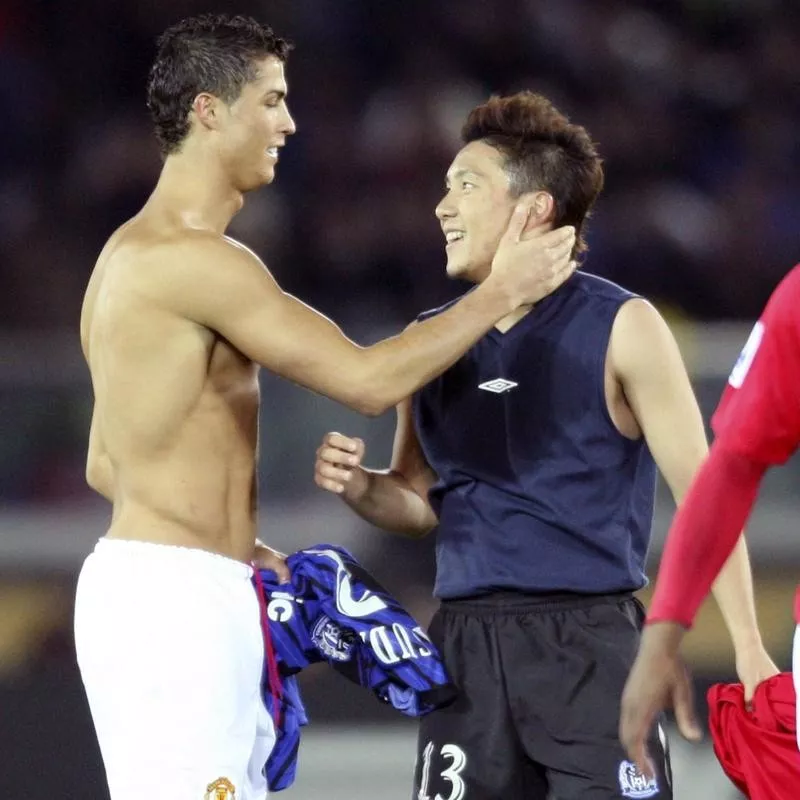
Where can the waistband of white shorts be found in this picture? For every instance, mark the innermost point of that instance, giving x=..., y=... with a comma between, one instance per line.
x=183, y=558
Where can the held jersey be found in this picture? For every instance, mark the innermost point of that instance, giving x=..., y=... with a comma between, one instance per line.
x=334, y=611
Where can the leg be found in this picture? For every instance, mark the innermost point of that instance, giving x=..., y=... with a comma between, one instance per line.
x=469, y=750
x=254, y=783
x=567, y=668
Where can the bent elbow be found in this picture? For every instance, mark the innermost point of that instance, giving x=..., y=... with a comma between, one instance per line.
x=372, y=400
x=422, y=519
x=373, y=407
x=420, y=531
x=363, y=404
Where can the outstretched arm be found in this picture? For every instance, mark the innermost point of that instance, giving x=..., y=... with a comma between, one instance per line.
x=224, y=287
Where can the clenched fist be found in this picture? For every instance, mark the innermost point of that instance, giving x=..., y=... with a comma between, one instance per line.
x=338, y=465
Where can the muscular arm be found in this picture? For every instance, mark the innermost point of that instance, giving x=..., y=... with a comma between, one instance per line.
x=657, y=388
x=396, y=499
x=224, y=287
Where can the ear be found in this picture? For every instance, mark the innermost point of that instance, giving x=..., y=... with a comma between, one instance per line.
x=207, y=110
x=543, y=209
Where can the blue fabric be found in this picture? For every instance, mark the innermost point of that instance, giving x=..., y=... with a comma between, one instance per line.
x=334, y=611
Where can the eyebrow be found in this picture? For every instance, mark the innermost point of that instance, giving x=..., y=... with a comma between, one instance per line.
x=460, y=173
x=280, y=94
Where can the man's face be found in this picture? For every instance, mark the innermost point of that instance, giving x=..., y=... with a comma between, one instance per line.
x=256, y=125
x=475, y=211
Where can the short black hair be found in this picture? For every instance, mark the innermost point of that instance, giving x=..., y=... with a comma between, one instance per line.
x=208, y=53
x=543, y=150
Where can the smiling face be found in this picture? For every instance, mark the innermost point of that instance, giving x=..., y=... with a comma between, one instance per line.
x=254, y=127
x=475, y=211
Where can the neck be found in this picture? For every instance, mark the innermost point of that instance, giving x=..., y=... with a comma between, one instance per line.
x=194, y=186
x=510, y=320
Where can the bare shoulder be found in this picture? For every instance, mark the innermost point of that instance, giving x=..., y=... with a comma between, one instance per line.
x=171, y=276
x=193, y=252
x=637, y=312
x=207, y=278
x=638, y=318
x=193, y=264
x=641, y=338
x=207, y=247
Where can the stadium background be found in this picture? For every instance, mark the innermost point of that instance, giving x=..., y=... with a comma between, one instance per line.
x=694, y=104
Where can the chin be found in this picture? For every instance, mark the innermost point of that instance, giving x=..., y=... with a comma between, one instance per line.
x=256, y=182
x=455, y=269
x=265, y=173
x=462, y=272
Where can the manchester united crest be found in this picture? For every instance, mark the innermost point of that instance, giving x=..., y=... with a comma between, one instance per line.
x=221, y=789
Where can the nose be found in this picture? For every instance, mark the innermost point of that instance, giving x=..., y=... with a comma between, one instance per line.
x=288, y=127
x=444, y=209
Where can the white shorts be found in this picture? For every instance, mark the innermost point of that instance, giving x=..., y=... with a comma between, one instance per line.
x=171, y=653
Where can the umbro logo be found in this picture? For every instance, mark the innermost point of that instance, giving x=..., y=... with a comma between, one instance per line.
x=497, y=386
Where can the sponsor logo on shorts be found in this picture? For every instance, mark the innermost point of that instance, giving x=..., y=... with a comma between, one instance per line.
x=333, y=641
x=497, y=386
x=633, y=784
x=221, y=789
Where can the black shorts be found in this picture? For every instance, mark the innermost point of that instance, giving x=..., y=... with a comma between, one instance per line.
x=540, y=681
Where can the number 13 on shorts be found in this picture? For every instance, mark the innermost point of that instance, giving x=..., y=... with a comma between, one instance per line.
x=457, y=759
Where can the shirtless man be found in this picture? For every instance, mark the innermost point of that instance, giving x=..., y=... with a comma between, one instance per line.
x=176, y=322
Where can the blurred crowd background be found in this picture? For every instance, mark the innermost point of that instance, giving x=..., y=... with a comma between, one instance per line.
x=695, y=106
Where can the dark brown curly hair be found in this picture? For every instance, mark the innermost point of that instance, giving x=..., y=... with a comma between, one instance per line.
x=542, y=150
x=212, y=53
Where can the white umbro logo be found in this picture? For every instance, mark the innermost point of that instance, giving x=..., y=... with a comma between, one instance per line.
x=498, y=385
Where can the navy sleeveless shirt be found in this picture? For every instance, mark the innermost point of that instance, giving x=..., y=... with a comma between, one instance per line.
x=537, y=490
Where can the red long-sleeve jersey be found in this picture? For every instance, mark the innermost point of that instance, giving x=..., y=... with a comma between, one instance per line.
x=757, y=425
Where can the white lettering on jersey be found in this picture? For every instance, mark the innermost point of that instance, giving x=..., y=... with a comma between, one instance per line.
x=745, y=360
x=348, y=605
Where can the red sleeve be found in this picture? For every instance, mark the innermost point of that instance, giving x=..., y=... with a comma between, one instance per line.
x=703, y=534
x=759, y=415
x=757, y=424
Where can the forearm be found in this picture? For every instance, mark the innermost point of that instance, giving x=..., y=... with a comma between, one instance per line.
x=398, y=367
x=733, y=591
x=704, y=533
x=387, y=500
